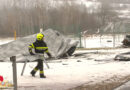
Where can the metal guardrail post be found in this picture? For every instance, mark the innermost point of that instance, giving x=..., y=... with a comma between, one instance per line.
x=13, y=60
x=44, y=61
x=23, y=68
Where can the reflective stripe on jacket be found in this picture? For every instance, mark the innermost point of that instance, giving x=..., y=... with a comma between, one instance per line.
x=39, y=46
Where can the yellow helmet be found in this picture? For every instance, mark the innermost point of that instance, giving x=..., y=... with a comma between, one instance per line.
x=40, y=36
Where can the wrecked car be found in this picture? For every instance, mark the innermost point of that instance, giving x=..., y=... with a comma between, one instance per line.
x=59, y=46
x=126, y=41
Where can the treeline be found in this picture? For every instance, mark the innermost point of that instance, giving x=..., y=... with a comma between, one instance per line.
x=67, y=17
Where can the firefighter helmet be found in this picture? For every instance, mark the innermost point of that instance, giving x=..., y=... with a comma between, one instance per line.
x=40, y=36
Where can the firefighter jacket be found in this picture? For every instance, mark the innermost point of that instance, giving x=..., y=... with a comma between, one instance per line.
x=39, y=47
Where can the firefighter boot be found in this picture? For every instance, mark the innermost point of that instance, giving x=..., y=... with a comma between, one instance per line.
x=42, y=76
x=33, y=72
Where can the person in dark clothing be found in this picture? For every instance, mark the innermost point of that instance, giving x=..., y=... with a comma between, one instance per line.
x=39, y=47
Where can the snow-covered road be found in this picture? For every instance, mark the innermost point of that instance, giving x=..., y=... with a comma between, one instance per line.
x=85, y=67
x=94, y=66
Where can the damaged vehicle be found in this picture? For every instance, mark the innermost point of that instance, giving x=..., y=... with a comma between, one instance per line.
x=123, y=56
x=59, y=46
x=126, y=41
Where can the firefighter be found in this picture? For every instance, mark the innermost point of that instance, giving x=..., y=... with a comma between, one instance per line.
x=39, y=47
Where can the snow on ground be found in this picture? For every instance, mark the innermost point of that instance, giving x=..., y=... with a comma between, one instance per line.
x=102, y=41
x=92, y=66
